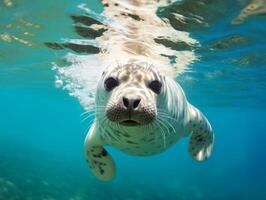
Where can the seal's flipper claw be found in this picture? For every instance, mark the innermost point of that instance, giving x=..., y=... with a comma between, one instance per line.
x=202, y=138
x=100, y=162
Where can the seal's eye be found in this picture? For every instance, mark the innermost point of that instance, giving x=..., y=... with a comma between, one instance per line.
x=155, y=86
x=110, y=83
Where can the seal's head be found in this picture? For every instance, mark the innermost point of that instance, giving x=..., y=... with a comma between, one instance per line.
x=128, y=94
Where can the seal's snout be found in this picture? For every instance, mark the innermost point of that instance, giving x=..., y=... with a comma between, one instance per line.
x=131, y=103
x=130, y=110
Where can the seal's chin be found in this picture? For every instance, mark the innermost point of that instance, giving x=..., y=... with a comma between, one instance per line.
x=129, y=122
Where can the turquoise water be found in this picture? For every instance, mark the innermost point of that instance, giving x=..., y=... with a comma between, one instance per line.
x=41, y=128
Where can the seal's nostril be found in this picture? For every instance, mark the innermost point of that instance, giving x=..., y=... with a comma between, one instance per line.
x=126, y=102
x=131, y=103
x=136, y=103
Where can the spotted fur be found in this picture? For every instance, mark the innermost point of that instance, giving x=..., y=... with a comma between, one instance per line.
x=162, y=117
x=174, y=118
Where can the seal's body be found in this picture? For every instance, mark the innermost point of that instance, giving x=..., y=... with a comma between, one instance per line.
x=142, y=112
x=140, y=109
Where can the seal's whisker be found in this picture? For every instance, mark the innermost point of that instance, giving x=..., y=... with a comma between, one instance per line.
x=169, y=124
x=166, y=127
x=162, y=122
x=102, y=120
x=85, y=112
x=167, y=116
x=89, y=125
x=87, y=117
x=162, y=111
x=163, y=134
x=91, y=122
x=88, y=113
x=112, y=124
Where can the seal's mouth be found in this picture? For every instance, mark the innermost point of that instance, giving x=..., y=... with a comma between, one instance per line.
x=130, y=122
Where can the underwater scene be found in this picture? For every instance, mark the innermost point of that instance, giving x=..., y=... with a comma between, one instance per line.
x=50, y=54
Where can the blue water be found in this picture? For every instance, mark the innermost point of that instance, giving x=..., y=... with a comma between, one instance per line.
x=42, y=133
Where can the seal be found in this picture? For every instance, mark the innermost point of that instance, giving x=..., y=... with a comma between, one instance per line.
x=142, y=112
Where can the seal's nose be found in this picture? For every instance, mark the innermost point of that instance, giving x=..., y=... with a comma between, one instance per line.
x=131, y=103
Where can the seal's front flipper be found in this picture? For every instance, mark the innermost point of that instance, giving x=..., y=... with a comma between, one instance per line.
x=100, y=162
x=202, y=137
